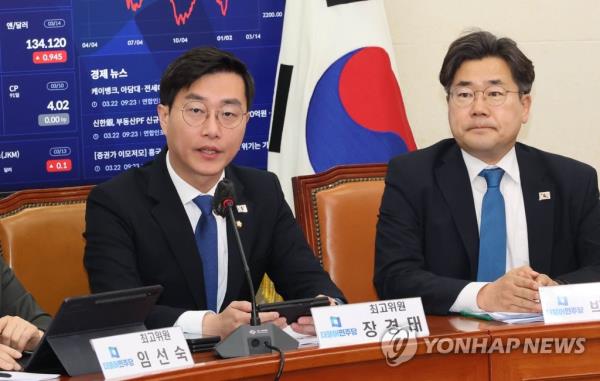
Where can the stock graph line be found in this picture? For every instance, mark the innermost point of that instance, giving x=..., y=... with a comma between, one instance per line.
x=223, y=4
x=180, y=17
x=133, y=5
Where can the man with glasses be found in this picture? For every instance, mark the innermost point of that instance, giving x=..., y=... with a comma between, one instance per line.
x=155, y=225
x=480, y=222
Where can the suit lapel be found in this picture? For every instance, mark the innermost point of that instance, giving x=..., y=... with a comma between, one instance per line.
x=539, y=211
x=170, y=216
x=453, y=181
x=236, y=279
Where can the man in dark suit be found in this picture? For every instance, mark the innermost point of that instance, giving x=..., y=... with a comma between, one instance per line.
x=22, y=321
x=145, y=226
x=442, y=214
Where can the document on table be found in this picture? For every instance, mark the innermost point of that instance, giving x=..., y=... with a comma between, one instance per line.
x=507, y=317
x=24, y=376
x=303, y=340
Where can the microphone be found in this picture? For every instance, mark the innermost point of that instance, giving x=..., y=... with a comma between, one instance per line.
x=255, y=338
x=224, y=197
x=223, y=203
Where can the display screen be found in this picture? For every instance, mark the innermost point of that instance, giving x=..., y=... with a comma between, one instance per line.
x=80, y=80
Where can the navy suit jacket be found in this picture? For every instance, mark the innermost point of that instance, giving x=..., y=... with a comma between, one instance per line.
x=138, y=233
x=427, y=240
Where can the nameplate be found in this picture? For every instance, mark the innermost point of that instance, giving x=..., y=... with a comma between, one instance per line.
x=571, y=303
x=142, y=352
x=359, y=323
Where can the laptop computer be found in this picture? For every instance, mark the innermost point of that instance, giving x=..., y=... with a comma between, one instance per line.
x=65, y=347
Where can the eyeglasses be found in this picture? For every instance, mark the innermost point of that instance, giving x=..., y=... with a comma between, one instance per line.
x=493, y=95
x=229, y=116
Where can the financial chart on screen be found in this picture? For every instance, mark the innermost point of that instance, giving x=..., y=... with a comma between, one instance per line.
x=80, y=80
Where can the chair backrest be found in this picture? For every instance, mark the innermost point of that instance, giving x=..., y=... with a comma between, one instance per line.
x=338, y=210
x=41, y=239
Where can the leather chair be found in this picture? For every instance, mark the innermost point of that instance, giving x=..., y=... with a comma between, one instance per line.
x=41, y=239
x=338, y=210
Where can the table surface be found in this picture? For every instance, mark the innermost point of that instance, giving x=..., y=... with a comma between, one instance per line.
x=367, y=361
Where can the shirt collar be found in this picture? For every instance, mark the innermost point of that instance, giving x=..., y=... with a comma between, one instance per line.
x=508, y=163
x=187, y=192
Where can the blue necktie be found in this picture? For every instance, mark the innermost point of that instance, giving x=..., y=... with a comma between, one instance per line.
x=206, y=241
x=492, y=232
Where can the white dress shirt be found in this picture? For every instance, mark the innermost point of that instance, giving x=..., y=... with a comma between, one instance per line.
x=191, y=321
x=517, y=246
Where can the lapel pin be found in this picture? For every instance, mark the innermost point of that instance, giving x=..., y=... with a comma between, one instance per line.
x=544, y=196
x=238, y=224
x=241, y=208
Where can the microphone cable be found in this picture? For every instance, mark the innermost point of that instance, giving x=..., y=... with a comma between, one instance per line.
x=281, y=360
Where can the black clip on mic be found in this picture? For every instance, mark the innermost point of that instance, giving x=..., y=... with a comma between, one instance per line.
x=255, y=338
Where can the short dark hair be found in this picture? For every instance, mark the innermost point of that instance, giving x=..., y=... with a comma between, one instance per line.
x=197, y=62
x=481, y=44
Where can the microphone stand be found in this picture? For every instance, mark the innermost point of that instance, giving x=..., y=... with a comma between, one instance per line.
x=254, y=319
x=255, y=338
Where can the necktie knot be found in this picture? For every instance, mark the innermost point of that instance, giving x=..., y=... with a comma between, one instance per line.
x=204, y=203
x=492, y=176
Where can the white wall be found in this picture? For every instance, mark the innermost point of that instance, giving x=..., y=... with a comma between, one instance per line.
x=561, y=37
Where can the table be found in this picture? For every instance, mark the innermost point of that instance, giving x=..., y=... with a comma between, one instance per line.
x=357, y=362
x=367, y=361
x=518, y=365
